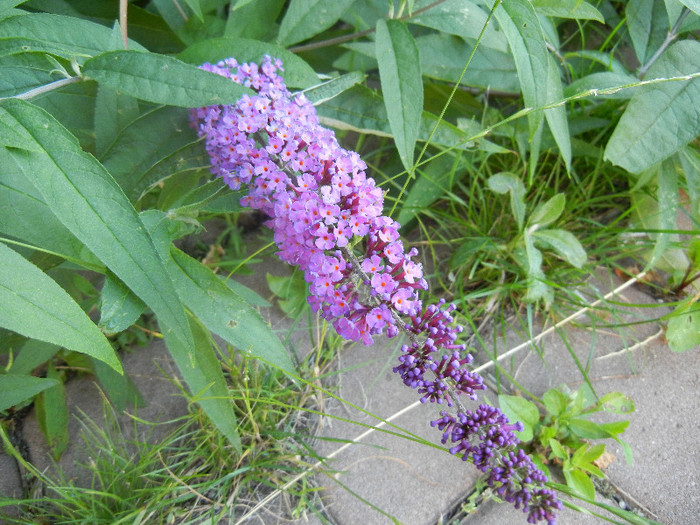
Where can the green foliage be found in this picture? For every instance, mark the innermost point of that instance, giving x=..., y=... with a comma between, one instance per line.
x=36, y=306
x=583, y=115
x=291, y=292
x=160, y=79
x=532, y=237
x=399, y=71
x=562, y=434
x=656, y=124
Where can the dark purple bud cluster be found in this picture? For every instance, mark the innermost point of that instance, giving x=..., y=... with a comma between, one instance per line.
x=486, y=437
x=323, y=209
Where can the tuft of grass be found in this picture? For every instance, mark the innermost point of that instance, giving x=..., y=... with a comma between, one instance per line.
x=193, y=475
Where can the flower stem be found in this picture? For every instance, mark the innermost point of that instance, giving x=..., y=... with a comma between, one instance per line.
x=46, y=88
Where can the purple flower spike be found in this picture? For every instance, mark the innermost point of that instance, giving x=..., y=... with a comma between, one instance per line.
x=321, y=206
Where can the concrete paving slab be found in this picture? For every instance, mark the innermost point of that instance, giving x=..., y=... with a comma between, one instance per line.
x=411, y=482
x=164, y=403
x=10, y=484
x=663, y=433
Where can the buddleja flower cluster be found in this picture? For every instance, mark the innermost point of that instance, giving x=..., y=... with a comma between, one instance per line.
x=326, y=215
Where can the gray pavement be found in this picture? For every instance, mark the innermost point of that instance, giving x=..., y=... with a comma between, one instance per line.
x=387, y=477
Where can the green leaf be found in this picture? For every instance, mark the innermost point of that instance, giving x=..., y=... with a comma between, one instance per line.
x=648, y=26
x=197, y=361
x=120, y=389
x=120, y=307
x=251, y=19
x=667, y=199
x=85, y=198
x=6, y=5
x=297, y=73
x=657, y=121
x=693, y=5
x=674, y=8
x=201, y=369
x=590, y=430
x=16, y=79
x=616, y=403
x=161, y=79
x=32, y=354
x=548, y=212
x=520, y=24
x=520, y=409
x=52, y=414
x=113, y=112
x=154, y=146
x=683, y=329
x=306, y=18
x=577, y=9
x=190, y=202
x=172, y=13
x=25, y=216
x=580, y=482
x=443, y=57
x=467, y=250
x=511, y=184
x=360, y=109
x=35, y=306
x=585, y=454
x=558, y=449
x=556, y=117
x=555, y=402
x=433, y=182
x=223, y=312
x=462, y=18
x=249, y=296
x=690, y=163
x=196, y=7
x=15, y=388
x=402, y=84
x=14, y=137
x=61, y=105
x=292, y=292
x=537, y=288
x=332, y=88
x=145, y=27
x=65, y=36
x=564, y=243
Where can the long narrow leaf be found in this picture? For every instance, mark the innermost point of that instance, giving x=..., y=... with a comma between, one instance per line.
x=162, y=79
x=35, y=306
x=297, y=73
x=65, y=36
x=15, y=388
x=201, y=370
x=225, y=313
x=52, y=414
x=402, y=84
x=306, y=18
x=556, y=117
x=85, y=198
x=520, y=24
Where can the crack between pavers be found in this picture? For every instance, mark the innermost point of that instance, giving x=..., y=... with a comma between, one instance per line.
x=15, y=433
x=622, y=498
